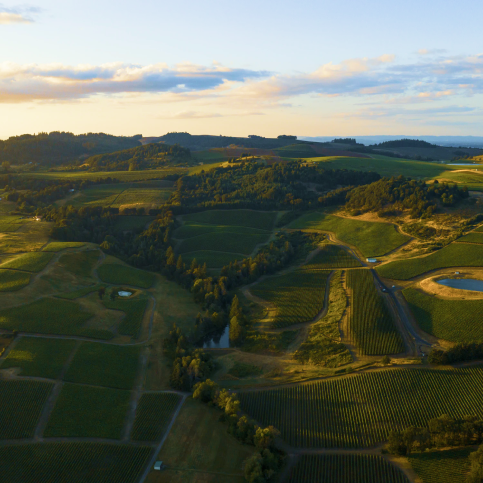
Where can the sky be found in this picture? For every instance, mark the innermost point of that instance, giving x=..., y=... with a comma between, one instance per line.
x=308, y=68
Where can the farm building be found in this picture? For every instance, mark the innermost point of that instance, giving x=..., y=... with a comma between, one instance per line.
x=158, y=465
x=371, y=260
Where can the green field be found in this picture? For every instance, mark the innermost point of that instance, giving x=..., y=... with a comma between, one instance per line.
x=454, y=255
x=81, y=292
x=153, y=415
x=262, y=220
x=80, y=263
x=132, y=223
x=211, y=258
x=192, y=229
x=72, y=463
x=199, y=449
x=39, y=357
x=59, y=246
x=296, y=151
x=332, y=256
x=46, y=316
x=134, y=310
x=21, y=403
x=30, y=262
x=471, y=179
x=371, y=325
x=124, y=275
x=345, y=468
x=474, y=237
x=84, y=411
x=12, y=280
x=298, y=296
x=104, y=365
x=371, y=238
x=449, y=466
x=361, y=410
x=453, y=320
x=10, y=223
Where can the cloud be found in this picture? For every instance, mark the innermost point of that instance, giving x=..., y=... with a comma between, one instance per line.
x=20, y=14
x=206, y=115
x=432, y=51
x=6, y=18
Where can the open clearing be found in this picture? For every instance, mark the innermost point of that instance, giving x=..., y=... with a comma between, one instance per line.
x=118, y=274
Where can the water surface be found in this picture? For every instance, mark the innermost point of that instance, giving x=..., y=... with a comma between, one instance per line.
x=220, y=341
x=463, y=283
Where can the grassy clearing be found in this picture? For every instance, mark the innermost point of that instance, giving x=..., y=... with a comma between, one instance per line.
x=80, y=263
x=371, y=325
x=345, y=468
x=475, y=237
x=142, y=197
x=442, y=466
x=223, y=242
x=11, y=280
x=59, y=246
x=124, y=275
x=83, y=411
x=298, y=296
x=10, y=223
x=332, y=256
x=323, y=346
x=21, y=403
x=199, y=448
x=132, y=223
x=81, y=292
x=72, y=463
x=39, y=357
x=371, y=238
x=361, y=410
x=189, y=230
x=46, y=316
x=104, y=365
x=454, y=255
x=251, y=219
x=134, y=310
x=453, y=320
x=153, y=415
x=30, y=262
x=211, y=258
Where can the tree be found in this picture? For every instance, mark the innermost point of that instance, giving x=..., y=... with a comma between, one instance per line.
x=6, y=166
x=386, y=360
x=476, y=471
x=253, y=469
x=101, y=292
x=265, y=437
x=205, y=391
x=113, y=294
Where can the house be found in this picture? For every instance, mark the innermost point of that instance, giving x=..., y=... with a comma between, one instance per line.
x=371, y=260
x=158, y=465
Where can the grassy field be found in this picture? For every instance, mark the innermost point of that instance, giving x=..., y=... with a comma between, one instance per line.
x=81, y=292
x=332, y=256
x=153, y=415
x=449, y=466
x=46, y=316
x=39, y=357
x=30, y=262
x=361, y=410
x=104, y=365
x=72, y=463
x=453, y=320
x=471, y=179
x=192, y=229
x=123, y=275
x=371, y=325
x=10, y=223
x=372, y=239
x=298, y=296
x=345, y=468
x=12, y=280
x=199, y=449
x=296, y=151
x=251, y=219
x=211, y=258
x=21, y=403
x=83, y=411
x=132, y=223
x=59, y=246
x=134, y=310
x=454, y=255
x=475, y=237
x=80, y=263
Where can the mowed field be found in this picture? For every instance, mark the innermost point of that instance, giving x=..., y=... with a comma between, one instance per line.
x=371, y=238
x=454, y=255
x=361, y=410
x=453, y=320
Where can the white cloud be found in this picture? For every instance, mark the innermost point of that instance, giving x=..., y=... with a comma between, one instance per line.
x=7, y=18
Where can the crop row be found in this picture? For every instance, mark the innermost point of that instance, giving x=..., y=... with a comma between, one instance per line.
x=361, y=410
x=298, y=296
x=332, y=256
x=371, y=325
x=345, y=468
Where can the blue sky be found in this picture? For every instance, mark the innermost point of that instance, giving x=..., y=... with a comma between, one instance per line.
x=307, y=68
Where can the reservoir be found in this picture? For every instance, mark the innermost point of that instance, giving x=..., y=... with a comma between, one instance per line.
x=220, y=342
x=463, y=284
x=463, y=164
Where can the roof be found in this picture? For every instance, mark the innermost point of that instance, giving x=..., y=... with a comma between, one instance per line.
x=158, y=465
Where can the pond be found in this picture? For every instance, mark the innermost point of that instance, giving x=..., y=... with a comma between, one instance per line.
x=463, y=164
x=219, y=341
x=463, y=283
x=122, y=293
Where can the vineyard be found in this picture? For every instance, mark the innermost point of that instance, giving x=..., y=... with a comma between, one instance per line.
x=474, y=237
x=298, y=296
x=153, y=414
x=125, y=275
x=262, y=220
x=134, y=310
x=13, y=280
x=345, y=468
x=332, y=256
x=72, y=463
x=21, y=403
x=361, y=410
x=453, y=320
x=371, y=325
x=30, y=262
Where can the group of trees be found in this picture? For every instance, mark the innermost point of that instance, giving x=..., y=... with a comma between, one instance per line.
x=262, y=466
x=472, y=351
x=389, y=195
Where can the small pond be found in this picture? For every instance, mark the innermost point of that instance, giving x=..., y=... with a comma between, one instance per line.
x=463, y=164
x=463, y=283
x=220, y=341
x=123, y=293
